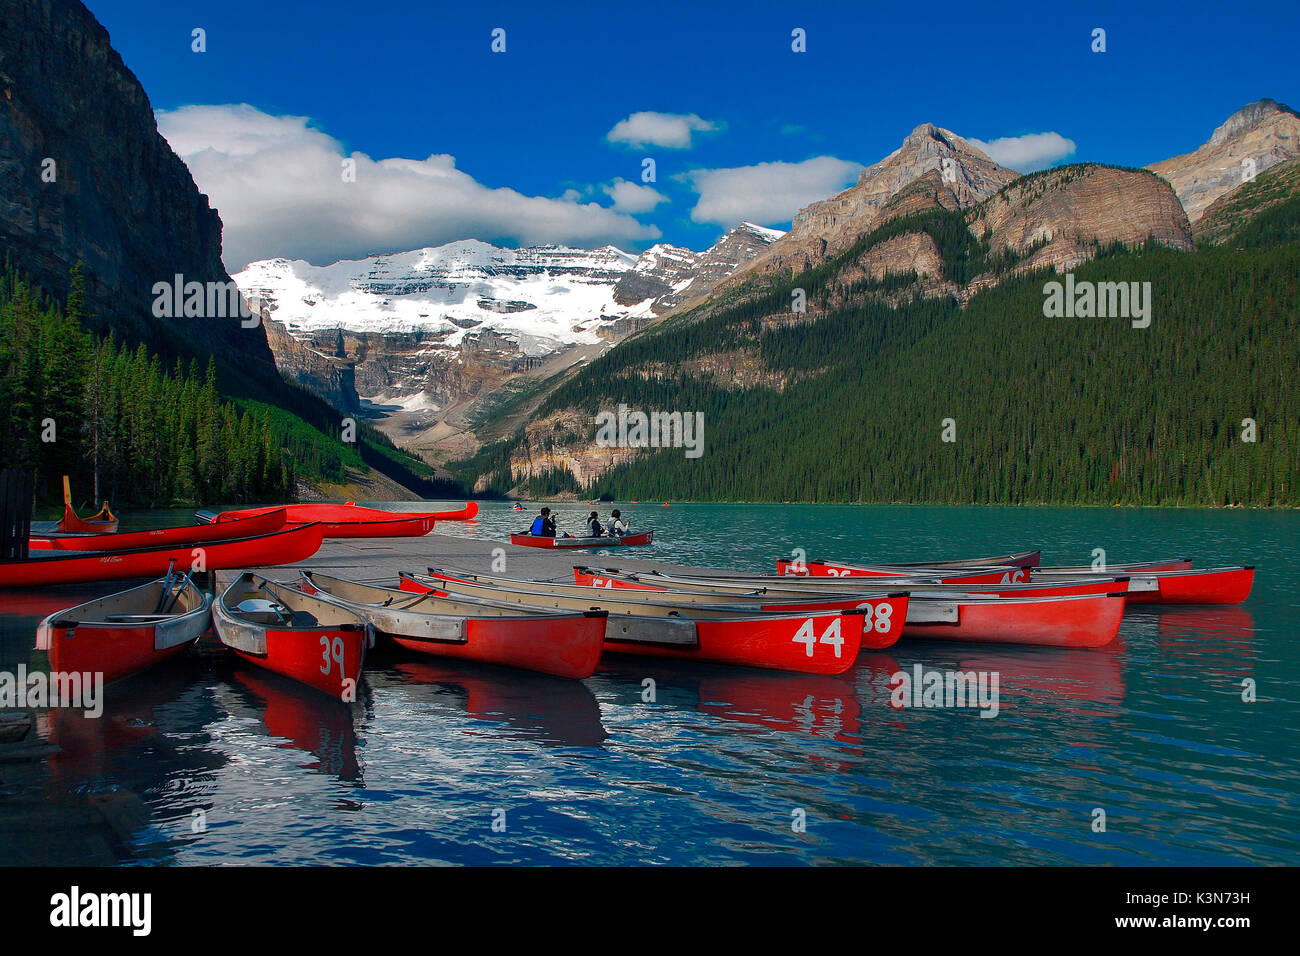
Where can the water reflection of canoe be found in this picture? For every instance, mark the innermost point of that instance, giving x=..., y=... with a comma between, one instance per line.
x=547, y=710
x=307, y=721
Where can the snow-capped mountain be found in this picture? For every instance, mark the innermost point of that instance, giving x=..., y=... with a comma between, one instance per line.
x=544, y=297
x=435, y=327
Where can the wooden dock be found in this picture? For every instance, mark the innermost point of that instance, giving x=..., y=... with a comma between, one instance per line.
x=378, y=560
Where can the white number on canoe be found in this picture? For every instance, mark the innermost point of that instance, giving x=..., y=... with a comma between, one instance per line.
x=807, y=636
x=331, y=650
x=1016, y=577
x=838, y=572
x=881, y=613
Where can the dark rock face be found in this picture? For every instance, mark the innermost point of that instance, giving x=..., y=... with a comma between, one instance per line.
x=121, y=201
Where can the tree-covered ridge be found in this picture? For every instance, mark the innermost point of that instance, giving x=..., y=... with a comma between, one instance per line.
x=152, y=435
x=149, y=433
x=1044, y=410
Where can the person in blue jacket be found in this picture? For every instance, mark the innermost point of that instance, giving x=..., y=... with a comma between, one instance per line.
x=543, y=525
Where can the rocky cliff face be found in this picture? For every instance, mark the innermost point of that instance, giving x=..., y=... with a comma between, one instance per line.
x=1224, y=217
x=964, y=176
x=1059, y=216
x=1256, y=137
x=443, y=327
x=85, y=175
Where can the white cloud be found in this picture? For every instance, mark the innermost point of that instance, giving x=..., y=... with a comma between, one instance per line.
x=670, y=130
x=1027, y=153
x=633, y=197
x=278, y=185
x=767, y=193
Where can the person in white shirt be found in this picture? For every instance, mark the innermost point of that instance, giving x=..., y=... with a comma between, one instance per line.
x=617, y=526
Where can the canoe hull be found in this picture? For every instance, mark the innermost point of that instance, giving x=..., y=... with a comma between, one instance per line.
x=80, y=640
x=302, y=657
x=278, y=547
x=355, y=521
x=326, y=652
x=190, y=534
x=562, y=645
x=1065, y=622
x=776, y=638
x=101, y=523
x=1216, y=586
x=810, y=589
x=820, y=643
x=570, y=648
x=1023, y=559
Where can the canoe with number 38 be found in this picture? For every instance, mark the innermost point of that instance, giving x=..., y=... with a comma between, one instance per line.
x=814, y=642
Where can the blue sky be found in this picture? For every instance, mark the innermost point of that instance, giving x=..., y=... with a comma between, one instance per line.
x=410, y=80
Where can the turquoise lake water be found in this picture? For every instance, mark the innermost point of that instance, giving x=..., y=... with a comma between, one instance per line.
x=1151, y=729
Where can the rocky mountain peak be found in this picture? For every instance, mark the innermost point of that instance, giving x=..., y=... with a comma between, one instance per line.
x=963, y=173
x=1248, y=117
x=1256, y=137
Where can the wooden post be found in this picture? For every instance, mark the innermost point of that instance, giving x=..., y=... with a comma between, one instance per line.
x=16, y=489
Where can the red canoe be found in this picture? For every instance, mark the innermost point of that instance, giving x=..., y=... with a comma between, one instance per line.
x=816, y=642
x=556, y=643
x=125, y=632
x=542, y=541
x=354, y=521
x=833, y=592
x=1212, y=586
x=1083, y=621
x=189, y=534
x=884, y=609
x=101, y=523
x=293, y=634
x=68, y=567
x=1022, y=559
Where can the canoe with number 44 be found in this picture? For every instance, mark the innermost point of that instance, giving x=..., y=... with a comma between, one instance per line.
x=811, y=642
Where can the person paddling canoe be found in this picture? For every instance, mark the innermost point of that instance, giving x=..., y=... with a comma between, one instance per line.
x=594, y=528
x=543, y=525
x=617, y=526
